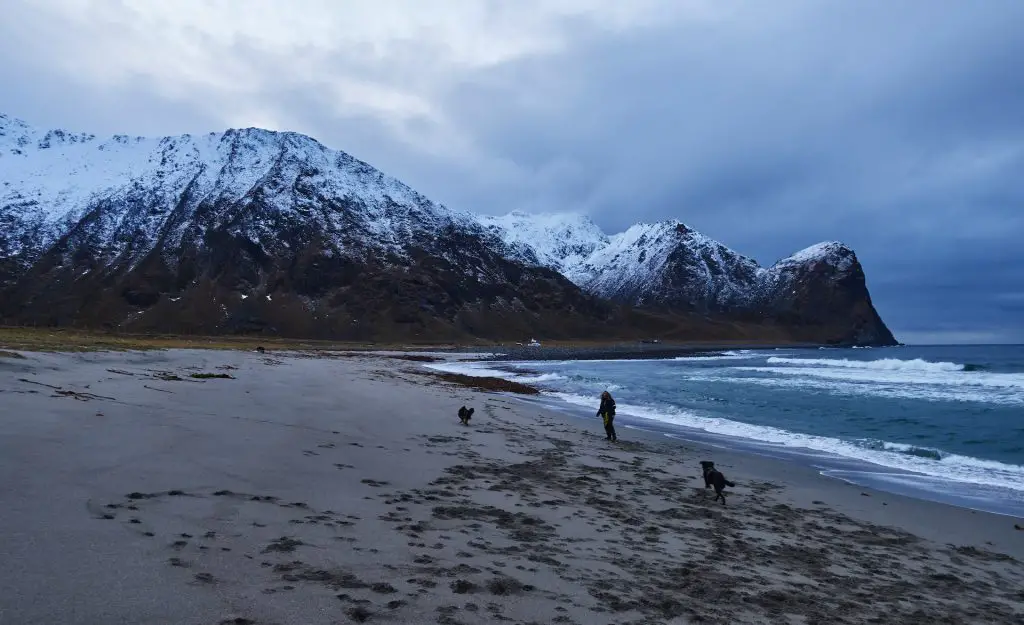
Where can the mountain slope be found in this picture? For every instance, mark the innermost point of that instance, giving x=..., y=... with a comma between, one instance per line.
x=558, y=241
x=667, y=266
x=823, y=286
x=252, y=230
x=257, y=231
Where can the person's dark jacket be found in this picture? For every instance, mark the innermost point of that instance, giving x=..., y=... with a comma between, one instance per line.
x=607, y=409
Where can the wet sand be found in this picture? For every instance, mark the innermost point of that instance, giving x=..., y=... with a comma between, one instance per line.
x=334, y=490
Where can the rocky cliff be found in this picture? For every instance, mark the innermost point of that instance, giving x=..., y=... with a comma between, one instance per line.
x=819, y=293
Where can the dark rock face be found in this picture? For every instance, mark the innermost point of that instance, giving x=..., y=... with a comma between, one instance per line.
x=820, y=294
x=827, y=296
x=218, y=281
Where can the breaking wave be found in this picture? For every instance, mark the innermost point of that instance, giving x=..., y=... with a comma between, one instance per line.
x=481, y=371
x=743, y=354
x=723, y=399
x=923, y=460
x=886, y=364
x=907, y=378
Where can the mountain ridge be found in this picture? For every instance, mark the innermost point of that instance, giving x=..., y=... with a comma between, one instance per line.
x=669, y=264
x=113, y=232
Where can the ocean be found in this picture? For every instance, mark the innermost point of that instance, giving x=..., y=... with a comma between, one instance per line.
x=943, y=423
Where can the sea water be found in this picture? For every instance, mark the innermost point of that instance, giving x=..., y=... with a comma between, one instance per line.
x=939, y=423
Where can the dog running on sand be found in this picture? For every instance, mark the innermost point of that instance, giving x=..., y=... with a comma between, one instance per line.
x=465, y=414
x=714, y=477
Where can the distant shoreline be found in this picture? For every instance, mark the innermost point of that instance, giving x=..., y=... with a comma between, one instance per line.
x=553, y=375
x=627, y=351
x=72, y=339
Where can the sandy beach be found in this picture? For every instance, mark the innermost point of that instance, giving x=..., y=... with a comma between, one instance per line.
x=137, y=487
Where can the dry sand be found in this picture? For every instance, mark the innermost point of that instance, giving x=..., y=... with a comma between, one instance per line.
x=333, y=490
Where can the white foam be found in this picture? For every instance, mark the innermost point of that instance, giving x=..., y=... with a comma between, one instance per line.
x=444, y=355
x=840, y=386
x=599, y=361
x=898, y=383
x=743, y=354
x=893, y=455
x=480, y=370
x=728, y=355
x=886, y=364
x=945, y=379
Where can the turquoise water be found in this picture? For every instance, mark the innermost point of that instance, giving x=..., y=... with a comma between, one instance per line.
x=944, y=423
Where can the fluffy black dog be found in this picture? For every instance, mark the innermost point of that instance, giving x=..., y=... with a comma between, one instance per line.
x=714, y=477
x=465, y=414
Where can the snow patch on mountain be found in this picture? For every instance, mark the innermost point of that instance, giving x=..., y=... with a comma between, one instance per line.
x=137, y=190
x=559, y=241
x=52, y=180
x=655, y=263
x=630, y=261
x=832, y=252
x=630, y=265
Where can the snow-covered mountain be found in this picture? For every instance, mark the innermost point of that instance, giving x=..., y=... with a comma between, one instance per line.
x=661, y=263
x=253, y=230
x=668, y=265
x=51, y=180
x=559, y=241
x=664, y=263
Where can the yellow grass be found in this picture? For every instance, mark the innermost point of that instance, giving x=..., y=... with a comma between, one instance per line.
x=70, y=340
x=60, y=340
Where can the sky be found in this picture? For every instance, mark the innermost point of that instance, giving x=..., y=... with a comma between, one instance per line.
x=895, y=126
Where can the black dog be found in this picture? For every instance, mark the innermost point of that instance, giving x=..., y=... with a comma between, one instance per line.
x=465, y=414
x=714, y=477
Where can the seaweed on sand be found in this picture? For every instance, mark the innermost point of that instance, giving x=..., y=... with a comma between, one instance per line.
x=487, y=383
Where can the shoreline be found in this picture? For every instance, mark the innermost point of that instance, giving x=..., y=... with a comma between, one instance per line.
x=883, y=474
x=849, y=470
x=311, y=488
x=846, y=497
x=18, y=338
x=626, y=351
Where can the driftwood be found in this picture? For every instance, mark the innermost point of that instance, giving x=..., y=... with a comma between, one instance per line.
x=62, y=392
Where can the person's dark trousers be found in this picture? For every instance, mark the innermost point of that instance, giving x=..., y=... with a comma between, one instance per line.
x=609, y=429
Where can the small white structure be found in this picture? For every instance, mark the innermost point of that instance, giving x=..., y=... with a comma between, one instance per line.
x=533, y=343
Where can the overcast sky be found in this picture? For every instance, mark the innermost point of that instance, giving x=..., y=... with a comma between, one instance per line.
x=894, y=126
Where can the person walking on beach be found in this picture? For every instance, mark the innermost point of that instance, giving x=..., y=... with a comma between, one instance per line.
x=607, y=412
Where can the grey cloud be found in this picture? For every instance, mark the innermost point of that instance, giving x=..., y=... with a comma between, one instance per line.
x=896, y=129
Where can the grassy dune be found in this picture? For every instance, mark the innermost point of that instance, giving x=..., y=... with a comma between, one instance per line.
x=61, y=340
